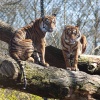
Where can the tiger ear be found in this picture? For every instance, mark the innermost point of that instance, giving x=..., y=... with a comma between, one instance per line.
x=65, y=27
x=77, y=26
x=54, y=15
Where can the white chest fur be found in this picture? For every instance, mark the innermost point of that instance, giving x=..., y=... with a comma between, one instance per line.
x=42, y=27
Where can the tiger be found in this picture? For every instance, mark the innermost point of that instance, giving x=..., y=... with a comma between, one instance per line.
x=30, y=40
x=73, y=44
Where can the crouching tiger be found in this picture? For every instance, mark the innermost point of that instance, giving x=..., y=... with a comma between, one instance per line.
x=73, y=44
x=31, y=38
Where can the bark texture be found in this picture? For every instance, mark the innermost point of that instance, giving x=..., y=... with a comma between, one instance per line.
x=53, y=55
x=50, y=82
x=86, y=63
x=6, y=32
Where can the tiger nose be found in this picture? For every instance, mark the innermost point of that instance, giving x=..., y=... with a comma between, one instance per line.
x=72, y=36
x=51, y=29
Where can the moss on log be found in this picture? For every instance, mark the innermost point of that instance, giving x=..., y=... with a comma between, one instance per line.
x=50, y=82
x=11, y=94
x=53, y=55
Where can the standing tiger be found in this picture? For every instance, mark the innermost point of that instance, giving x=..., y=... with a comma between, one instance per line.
x=31, y=38
x=73, y=44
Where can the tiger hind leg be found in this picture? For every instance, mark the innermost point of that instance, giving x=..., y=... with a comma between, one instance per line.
x=75, y=62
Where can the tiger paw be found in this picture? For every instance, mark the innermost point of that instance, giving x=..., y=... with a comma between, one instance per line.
x=30, y=59
x=74, y=69
x=68, y=68
x=46, y=64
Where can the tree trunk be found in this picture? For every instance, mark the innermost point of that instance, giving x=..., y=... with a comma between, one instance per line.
x=86, y=63
x=42, y=7
x=50, y=82
x=6, y=32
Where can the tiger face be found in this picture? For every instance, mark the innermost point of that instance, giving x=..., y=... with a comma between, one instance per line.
x=72, y=34
x=48, y=23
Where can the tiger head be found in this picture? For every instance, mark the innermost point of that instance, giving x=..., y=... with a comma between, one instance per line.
x=72, y=34
x=48, y=23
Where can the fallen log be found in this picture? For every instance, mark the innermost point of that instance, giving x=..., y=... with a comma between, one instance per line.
x=86, y=63
x=50, y=82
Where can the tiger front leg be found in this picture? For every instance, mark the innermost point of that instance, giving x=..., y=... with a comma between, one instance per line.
x=66, y=58
x=75, y=62
x=41, y=53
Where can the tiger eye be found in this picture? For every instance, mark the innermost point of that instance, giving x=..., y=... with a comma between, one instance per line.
x=47, y=21
x=74, y=31
x=69, y=31
x=53, y=21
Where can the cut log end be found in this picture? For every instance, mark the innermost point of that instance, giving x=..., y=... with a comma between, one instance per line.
x=8, y=69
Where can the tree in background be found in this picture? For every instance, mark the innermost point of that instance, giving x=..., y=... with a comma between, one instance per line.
x=85, y=14
x=42, y=7
x=96, y=27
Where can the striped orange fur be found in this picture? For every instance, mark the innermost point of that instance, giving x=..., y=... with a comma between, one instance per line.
x=73, y=44
x=31, y=38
